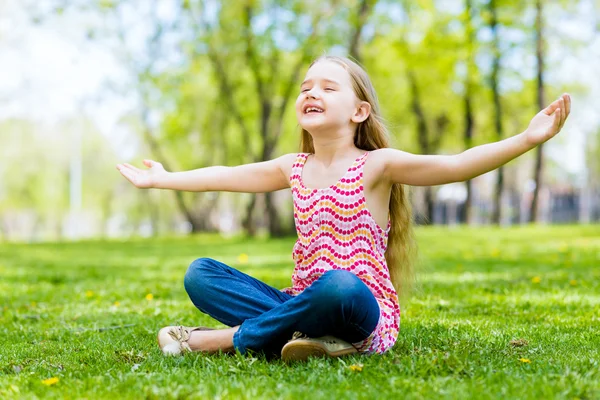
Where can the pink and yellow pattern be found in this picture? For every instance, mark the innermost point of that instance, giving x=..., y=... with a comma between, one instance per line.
x=337, y=231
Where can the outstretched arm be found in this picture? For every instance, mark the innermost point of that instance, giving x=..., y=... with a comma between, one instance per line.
x=261, y=177
x=427, y=170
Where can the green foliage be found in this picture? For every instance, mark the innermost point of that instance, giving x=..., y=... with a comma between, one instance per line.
x=177, y=81
x=513, y=316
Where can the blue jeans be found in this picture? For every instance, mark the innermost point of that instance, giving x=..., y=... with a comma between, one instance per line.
x=338, y=303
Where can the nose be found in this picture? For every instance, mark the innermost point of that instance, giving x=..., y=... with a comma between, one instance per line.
x=311, y=94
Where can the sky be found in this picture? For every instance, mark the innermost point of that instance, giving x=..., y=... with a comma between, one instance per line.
x=50, y=72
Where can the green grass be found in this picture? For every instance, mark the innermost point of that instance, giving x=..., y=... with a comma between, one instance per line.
x=479, y=290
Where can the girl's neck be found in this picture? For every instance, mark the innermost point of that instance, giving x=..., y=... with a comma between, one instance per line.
x=330, y=151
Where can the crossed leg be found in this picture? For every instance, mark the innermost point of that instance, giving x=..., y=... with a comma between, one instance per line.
x=263, y=318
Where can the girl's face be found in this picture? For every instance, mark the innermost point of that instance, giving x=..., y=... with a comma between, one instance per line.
x=327, y=99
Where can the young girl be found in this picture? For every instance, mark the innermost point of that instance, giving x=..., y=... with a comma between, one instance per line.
x=352, y=257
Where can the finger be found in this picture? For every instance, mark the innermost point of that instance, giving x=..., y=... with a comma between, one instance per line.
x=552, y=107
x=126, y=173
x=568, y=104
x=557, y=121
x=130, y=175
x=151, y=163
x=562, y=112
x=131, y=167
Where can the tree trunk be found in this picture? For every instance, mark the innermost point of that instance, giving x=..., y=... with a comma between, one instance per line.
x=429, y=204
x=422, y=139
x=497, y=212
x=247, y=222
x=201, y=220
x=157, y=151
x=541, y=102
x=469, y=122
x=468, y=141
x=361, y=18
x=275, y=227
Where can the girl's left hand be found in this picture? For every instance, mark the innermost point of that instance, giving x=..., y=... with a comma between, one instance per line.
x=548, y=122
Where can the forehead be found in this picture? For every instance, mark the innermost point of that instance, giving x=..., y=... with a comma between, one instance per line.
x=327, y=70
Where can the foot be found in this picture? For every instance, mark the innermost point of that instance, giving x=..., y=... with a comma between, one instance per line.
x=300, y=347
x=173, y=340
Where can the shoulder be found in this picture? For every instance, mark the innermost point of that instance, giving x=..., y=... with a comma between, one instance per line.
x=376, y=164
x=381, y=161
x=286, y=163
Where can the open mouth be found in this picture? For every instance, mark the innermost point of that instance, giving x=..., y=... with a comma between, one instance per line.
x=313, y=110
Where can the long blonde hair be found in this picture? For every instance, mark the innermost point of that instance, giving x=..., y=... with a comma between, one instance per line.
x=372, y=134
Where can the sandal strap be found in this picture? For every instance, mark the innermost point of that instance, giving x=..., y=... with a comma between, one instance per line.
x=298, y=335
x=182, y=334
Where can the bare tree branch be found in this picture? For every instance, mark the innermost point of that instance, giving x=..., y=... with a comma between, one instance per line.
x=224, y=82
x=251, y=55
x=363, y=15
x=289, y=86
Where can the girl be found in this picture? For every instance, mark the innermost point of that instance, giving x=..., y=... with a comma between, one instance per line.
x=351, y=258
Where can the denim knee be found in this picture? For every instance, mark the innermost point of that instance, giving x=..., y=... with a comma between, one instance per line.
x=194, y=277
x=336, y=287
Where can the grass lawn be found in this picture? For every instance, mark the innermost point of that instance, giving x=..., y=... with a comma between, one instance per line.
x=499, y=313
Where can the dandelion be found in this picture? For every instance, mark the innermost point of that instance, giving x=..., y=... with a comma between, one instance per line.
x=50, y=381
x=243, y=258
x=356, y=367
x=525, y=360
x=573, y=282
x=89, y=293
x=117, y=304
x=149, y=296
x=536, y=279
x=495, y=253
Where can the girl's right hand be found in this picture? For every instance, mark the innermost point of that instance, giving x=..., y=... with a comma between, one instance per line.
x=143, y=179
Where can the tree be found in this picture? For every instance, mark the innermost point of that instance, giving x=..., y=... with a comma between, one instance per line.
x=498, y=126
x=468, y=100
x=274, y=72
x=541, y=102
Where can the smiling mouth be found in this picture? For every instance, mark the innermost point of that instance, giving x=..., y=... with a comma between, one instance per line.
x=313, y=110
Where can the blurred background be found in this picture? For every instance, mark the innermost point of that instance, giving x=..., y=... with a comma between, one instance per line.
x=85, y=85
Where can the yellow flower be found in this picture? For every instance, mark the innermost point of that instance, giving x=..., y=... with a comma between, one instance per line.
x=356, y=367
x=525, y=360
x=495, y=253
x=149, y=296
x=243, y=258
x=50, y=381
x=89, y=293
x=536, y=279
x=117, y=304
x=573, y=282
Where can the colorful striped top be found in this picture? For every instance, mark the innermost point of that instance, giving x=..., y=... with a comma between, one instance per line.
x=337, y=231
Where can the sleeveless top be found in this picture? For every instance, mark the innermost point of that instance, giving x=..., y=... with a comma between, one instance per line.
x=337, y=231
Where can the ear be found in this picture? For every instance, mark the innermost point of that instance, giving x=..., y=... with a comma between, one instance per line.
x=362, y=112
